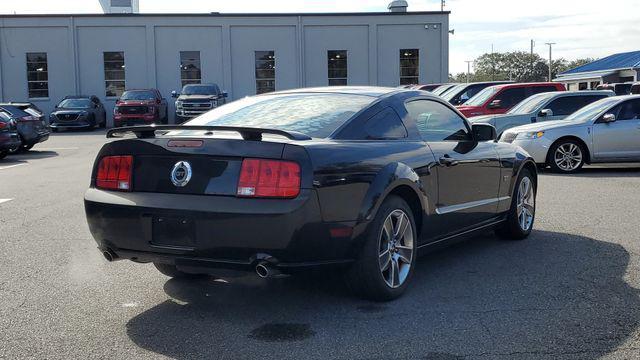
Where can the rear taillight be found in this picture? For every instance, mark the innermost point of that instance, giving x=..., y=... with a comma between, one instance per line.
x=269, y=179
x=114, y=173
x=4, y=125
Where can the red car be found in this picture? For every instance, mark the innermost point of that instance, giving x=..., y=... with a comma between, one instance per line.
x=140, y=107
x=499, y=99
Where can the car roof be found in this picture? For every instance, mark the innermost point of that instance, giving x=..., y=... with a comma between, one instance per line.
x=516, y=85
x=374, y=91
x=577, y=93
x=80, y=97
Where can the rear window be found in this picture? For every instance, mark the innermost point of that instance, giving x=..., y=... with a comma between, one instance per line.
x=314, y=114
x=14, y=111
x=138, y=95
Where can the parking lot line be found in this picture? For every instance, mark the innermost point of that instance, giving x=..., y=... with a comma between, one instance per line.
x=11, y=166
x=5, y=200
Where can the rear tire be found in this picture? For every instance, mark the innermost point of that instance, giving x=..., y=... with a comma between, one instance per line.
x=55, y=130
x=3, y=154
x=27, y=147
x=173, y=272
x=521, y=216
x=18, y=148
x=388, y=256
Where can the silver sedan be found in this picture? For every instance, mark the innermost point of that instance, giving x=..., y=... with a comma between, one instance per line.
x=607, y=130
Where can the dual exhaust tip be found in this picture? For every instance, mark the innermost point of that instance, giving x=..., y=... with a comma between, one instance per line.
x=263, y=269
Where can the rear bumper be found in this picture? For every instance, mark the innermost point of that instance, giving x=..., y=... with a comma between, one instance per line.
x=226, y=232
x=9, y=141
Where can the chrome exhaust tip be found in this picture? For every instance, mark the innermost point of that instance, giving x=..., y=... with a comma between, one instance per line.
x=109, y=255
x=266, y=270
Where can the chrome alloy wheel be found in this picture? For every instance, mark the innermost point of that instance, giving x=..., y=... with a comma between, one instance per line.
x=526, y=204
x=568, y=157
x=396, y=248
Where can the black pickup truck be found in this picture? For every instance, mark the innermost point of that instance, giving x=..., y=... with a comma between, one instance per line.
x=196, y=99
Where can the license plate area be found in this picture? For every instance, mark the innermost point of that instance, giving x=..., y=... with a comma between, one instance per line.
x=173, y=231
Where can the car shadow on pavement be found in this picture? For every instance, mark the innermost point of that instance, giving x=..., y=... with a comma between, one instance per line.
x=553, y=295
x=34, y=154
x=596, y=172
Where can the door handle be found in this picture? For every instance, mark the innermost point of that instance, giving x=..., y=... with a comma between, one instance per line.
x=447, y=160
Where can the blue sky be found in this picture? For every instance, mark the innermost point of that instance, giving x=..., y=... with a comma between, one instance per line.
x=584, y=28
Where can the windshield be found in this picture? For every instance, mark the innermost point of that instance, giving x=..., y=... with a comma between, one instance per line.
x=592, y=110
x=449, y=94
x=316, y=115
x=199, y=90
x=529, y=105
x=441, y=89
x=482, y=96
x=75, y=104
x=138, y=95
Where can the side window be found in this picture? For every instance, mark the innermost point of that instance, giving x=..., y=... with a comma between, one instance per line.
x=385, y=125
x=567, y=105
x=509, y=97
x=436, y=122
x=629, y=110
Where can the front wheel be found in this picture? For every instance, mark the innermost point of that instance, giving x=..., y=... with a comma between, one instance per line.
x=521, y=216
x=18, y=148
x=173, y=272
x=566, y=156
x=388, y=256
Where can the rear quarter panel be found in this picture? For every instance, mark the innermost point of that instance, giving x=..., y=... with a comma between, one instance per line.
x=353, y=177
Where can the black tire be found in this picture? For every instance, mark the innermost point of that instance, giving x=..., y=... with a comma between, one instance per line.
x=55, y=130
x=173, y=272
x=103, y=124
x=18, y=148
x=365, y=277
x=27, y=147
x=511, y=229
x=3, y=154
x=573, y=144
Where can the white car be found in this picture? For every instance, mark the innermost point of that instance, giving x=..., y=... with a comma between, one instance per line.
x=547, y=106
x=607, y=130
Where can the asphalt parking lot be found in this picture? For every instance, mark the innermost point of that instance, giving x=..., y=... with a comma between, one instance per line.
x=569, y=291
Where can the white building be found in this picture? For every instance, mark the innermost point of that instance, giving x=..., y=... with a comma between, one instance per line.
x=46, y=57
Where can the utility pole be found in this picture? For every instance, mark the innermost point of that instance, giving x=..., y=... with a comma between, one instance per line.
x=533, y=44
x=550, y=58
x=442, y=4
x=468, y=69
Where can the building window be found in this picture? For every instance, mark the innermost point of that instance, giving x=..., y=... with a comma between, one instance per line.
x=37, y=75
x=190, y=72
x=409, y=66
x=265, y=72
x=337, y=65
x=114, y=73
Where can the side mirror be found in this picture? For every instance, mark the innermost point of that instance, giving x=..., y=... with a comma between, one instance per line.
x=174, y=94
x=545, y=113
x=225, y=94
x=484, y=132
x=495, y=104
x=609, y=118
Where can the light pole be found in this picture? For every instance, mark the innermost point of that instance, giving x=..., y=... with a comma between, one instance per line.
x=550, y=58
x=468, y=68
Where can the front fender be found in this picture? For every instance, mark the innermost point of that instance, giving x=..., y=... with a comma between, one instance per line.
x=386, y=181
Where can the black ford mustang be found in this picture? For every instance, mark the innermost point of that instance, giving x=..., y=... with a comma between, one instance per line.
x=361, y=178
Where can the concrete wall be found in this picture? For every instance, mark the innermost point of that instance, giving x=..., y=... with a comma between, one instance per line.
x=152, y=43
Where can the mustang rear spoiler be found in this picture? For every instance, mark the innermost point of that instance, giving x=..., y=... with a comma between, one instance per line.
x=251, y=134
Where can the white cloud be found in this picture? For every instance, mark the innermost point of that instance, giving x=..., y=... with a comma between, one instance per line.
x=586, y=28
